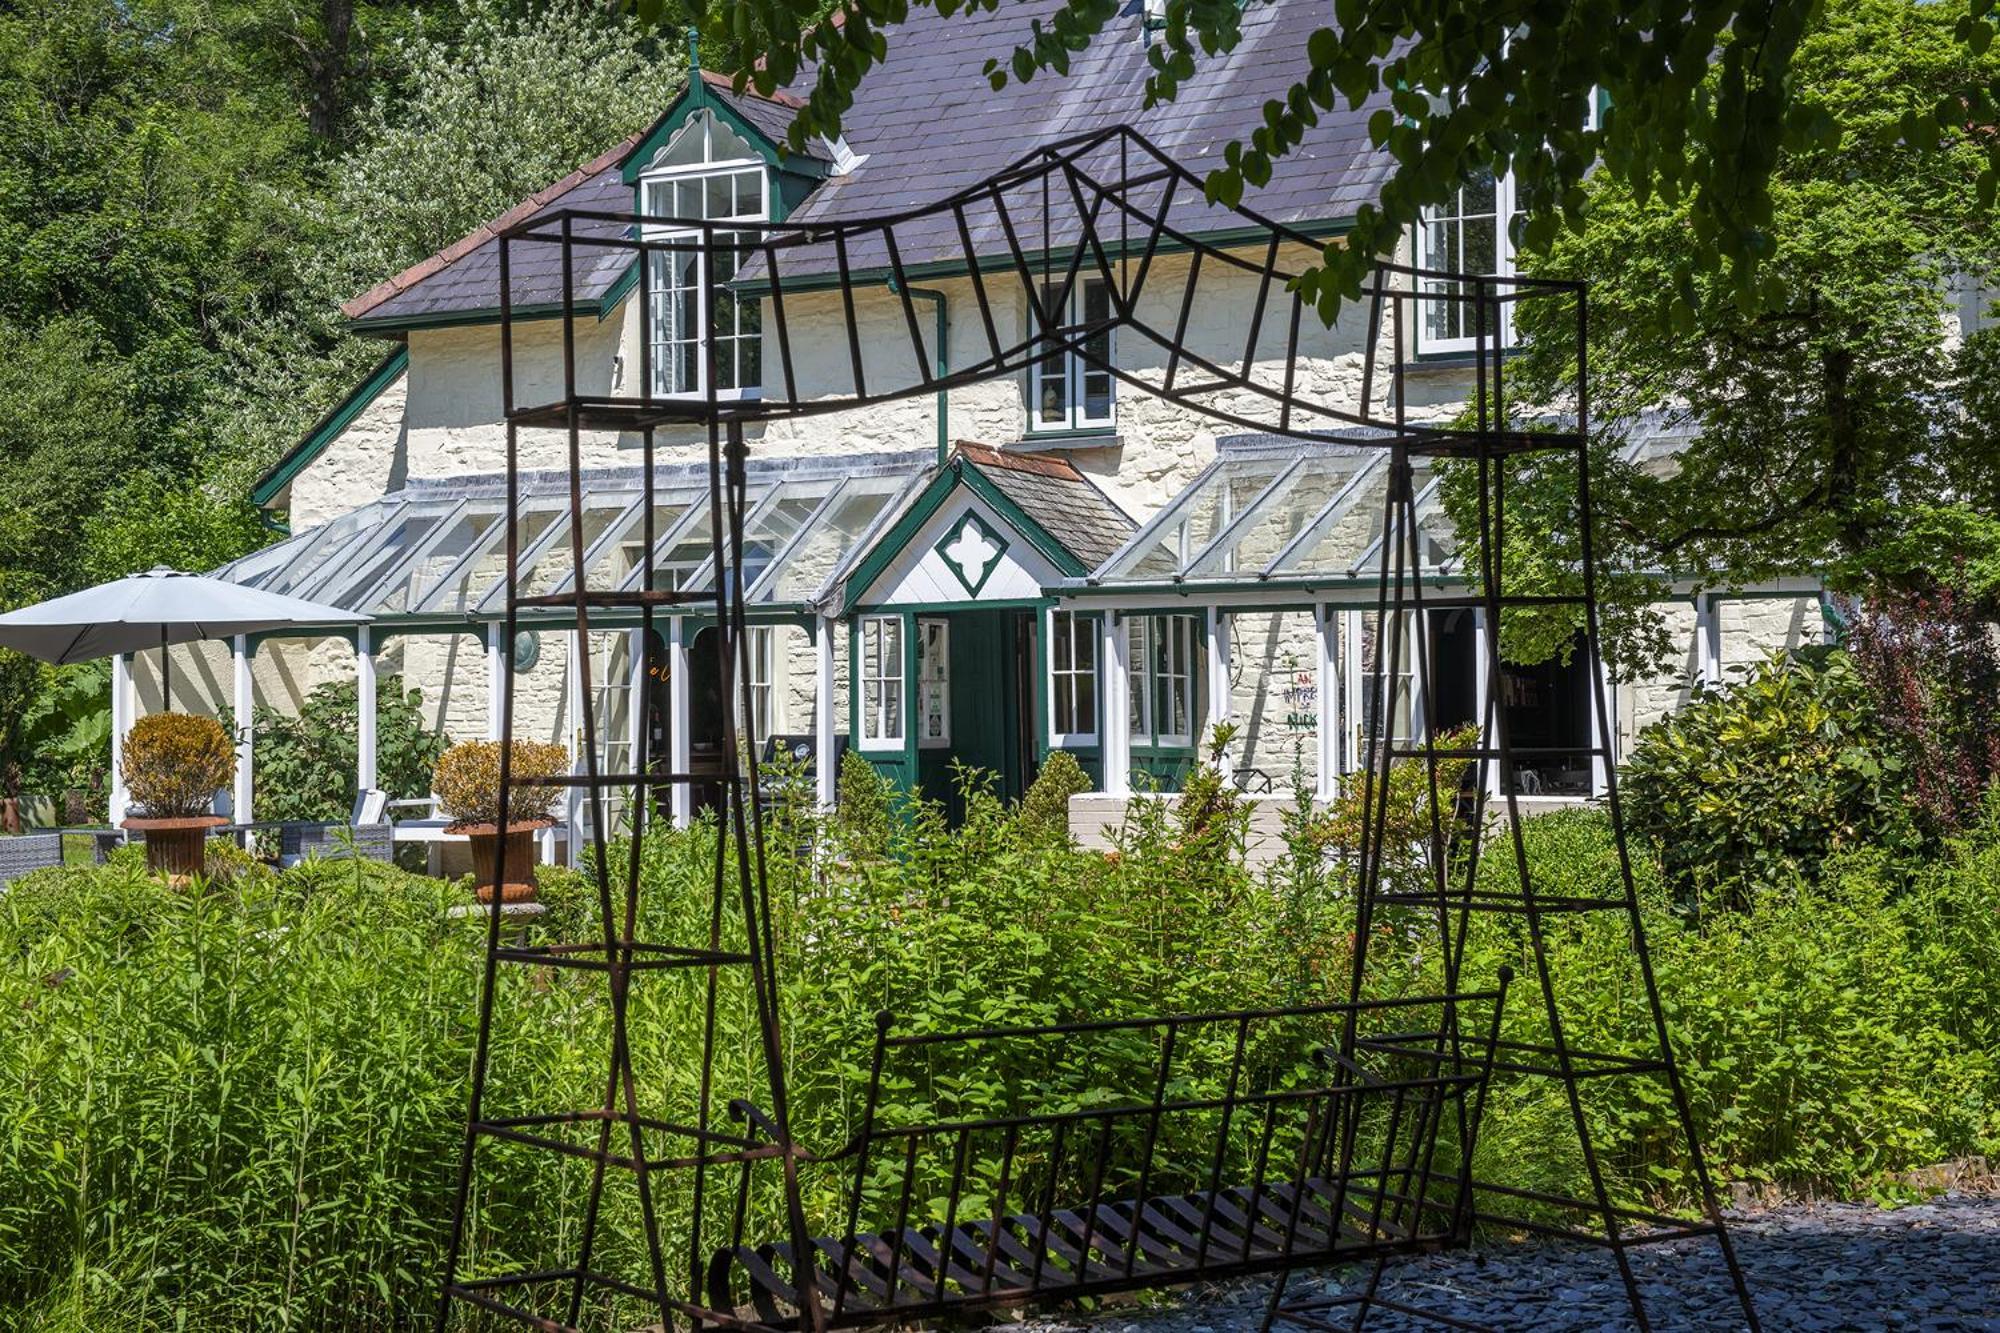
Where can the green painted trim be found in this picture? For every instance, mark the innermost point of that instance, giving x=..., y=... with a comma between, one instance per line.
x=953, y=474
x=1003, y=262
x=697, y=96
x=615, y=294
x=1000, y=548
x=452, y=319
x=950, y=608
x=328, y=428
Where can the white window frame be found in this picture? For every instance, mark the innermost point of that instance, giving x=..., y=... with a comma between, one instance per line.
x=1500, y=265
x=1179, y=634
x=933, y=670
x=1074, y=369
x=1506, y=204
x=1068, y=679
x=653, y=316
x=1151, y=633
x=881, y=722
x=763, y=680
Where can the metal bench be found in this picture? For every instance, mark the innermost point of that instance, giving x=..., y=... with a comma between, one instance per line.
x=1299, y=1154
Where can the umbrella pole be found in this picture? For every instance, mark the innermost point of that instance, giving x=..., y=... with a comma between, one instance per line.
x=166, y=675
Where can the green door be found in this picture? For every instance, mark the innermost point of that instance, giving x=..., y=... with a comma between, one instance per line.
x=989, y=660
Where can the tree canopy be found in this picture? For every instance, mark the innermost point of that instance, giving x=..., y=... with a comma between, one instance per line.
x=1700, y=104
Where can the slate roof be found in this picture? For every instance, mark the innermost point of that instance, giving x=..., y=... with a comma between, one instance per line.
x=930, y=124
x=1051, y=491
x=927, y=123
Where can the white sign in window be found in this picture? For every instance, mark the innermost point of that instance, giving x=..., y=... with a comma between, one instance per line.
x=881, y=682
x=933, y=684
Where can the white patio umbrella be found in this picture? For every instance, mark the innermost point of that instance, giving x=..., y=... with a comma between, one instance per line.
x=152, y=610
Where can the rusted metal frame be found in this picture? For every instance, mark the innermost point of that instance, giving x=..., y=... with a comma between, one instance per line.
x=847, y=305
x=1257, y=311
x=1601, y=712
x=1152, y=1142
x=978, y=282
x=1176, y=351
x=900, y=283
x=868, y=1109
x=1229, y=1104
x=777, y=295
x=1090, y=237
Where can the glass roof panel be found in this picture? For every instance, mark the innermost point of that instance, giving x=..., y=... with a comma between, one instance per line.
x=770, y=527
x=1197, y=516
x=824, y=547
x=328, y=545
x=383, y=553
x=1267, y=528
x=1342, y=541
x=419, y=578
x=553, y=563
x=621, y=549
x=486, y=563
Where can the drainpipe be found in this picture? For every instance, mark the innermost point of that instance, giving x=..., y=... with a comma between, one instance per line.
x=936, y=298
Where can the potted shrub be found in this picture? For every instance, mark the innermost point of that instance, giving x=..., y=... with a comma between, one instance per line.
x=467, y=783
x=173, y=763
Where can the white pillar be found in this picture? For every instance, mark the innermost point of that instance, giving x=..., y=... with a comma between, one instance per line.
x=122, y=700
x=1707, y=640
x=1354, y=682
x=574, y=798
x=1327, y=717
x=496, y=684
x=1601, y=692
x=1416, y=654
x=243, y=703
x=1220, y=703
x=1114, y=731
x=825, y=739
x=364, y=710
x=680, y=743
x=1483, y=673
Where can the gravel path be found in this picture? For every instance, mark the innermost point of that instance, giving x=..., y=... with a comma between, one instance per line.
x=1821, y=1267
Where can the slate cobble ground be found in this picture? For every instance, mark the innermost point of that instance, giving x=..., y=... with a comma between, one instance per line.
x=1816, y=1268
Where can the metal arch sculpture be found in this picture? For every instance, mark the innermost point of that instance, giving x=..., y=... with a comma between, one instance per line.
x=1365, y=1155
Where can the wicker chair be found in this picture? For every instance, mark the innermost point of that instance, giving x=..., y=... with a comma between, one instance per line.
x=330, y=842
x=30, y=851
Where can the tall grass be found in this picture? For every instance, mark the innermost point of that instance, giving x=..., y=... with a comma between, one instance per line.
x=240, y=1108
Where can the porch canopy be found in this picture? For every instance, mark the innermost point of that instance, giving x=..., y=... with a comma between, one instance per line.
x=431, y=559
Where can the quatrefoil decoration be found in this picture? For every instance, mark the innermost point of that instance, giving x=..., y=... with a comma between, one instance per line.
x=972, y=550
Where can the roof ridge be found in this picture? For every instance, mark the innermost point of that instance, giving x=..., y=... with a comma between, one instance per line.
x=778, y=96
x=382, y=291
x=1046, y=465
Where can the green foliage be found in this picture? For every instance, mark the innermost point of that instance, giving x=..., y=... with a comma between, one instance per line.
x=1751, y=786
x=1700, y=107
x=173, y=763
x=306, y=763
x=241, y=1108
x=1044, y=812
x=1835, y=422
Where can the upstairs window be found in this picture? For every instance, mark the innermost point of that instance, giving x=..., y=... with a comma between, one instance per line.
x=1074, y=390
x=706, y=172
x=1466, y=235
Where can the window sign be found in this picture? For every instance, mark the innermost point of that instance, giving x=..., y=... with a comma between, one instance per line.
x=933, y=684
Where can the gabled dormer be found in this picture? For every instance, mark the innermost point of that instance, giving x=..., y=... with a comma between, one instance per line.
x=717, y=156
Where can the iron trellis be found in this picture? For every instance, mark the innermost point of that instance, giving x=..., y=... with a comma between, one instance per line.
x=1346, y=1131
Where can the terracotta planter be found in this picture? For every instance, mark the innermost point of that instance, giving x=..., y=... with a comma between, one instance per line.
x=177, y=847
x=517, y=877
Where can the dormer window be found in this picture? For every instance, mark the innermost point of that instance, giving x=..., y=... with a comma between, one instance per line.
x=706, y=172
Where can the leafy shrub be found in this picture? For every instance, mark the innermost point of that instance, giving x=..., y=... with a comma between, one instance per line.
x=174, y=762
x=467, y=781
x=1044, y=812
x=1933, y=672
x=306, y=765
x=1753, y=785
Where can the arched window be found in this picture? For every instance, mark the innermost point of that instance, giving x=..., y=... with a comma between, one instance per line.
x=706, y=172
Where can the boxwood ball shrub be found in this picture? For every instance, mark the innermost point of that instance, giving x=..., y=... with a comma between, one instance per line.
x=467, y=781
x=174, y=762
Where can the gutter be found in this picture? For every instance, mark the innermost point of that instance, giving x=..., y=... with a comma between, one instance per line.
x=937, y=300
